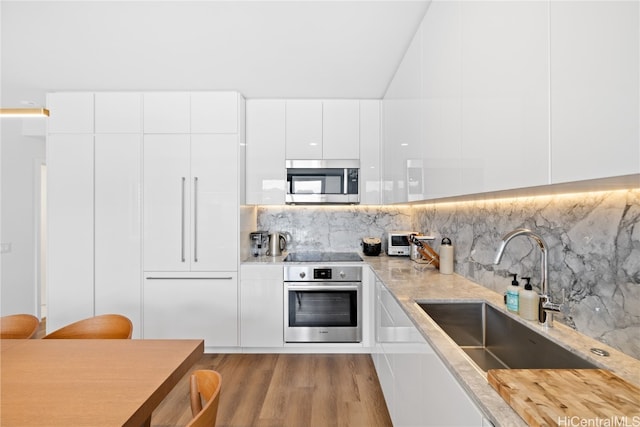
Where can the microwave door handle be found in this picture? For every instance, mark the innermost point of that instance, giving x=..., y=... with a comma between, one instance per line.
x=345, y=181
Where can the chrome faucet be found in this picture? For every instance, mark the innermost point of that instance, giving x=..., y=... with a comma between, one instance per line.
x=546, y=307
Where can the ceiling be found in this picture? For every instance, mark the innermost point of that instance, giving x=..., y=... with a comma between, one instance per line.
x=264, y=49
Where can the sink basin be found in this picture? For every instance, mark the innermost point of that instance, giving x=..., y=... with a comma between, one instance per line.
x=493, y=340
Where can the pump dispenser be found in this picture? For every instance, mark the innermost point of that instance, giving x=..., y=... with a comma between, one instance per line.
x=512, y=295
x=528, y=301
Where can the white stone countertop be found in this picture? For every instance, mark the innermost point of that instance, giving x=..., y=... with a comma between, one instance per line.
x=409, y=281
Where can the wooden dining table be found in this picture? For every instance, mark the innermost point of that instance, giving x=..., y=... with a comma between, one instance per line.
x=89, y=382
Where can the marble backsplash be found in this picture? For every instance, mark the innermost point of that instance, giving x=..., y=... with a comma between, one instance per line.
x=593, y=240
x=335, y=228
x=594, y=254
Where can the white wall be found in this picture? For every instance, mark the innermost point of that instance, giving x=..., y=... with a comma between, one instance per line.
x=18, y=206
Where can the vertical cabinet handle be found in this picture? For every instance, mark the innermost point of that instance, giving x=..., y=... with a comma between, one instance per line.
x=195, y=219
x=182, y=222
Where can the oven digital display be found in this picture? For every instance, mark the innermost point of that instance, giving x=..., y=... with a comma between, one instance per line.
x=322, y=273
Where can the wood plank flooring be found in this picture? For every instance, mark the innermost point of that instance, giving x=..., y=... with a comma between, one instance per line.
x=281, y=390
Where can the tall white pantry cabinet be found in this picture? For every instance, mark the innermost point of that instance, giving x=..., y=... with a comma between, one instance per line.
x=143, y=210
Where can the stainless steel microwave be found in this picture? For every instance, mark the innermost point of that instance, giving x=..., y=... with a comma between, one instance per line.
x=323, y=181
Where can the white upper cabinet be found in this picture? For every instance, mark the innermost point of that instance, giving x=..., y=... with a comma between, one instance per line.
x=167, y=112
x=594, y=89
x=505, y=95
x=370, y=170
x=340, y=129
x=514, y=95
x=317, y=129
x=214, y=112
x=70, y=112
x=402, y=140
x=266, y=175
x=442, y=100
x=303, y=129
x=118, y=112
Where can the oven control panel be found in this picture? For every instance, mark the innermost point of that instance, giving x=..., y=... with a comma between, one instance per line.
x=322, y=273
x=311, y=273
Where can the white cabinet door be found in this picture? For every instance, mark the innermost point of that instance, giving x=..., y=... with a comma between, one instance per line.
x=266, y=176
x=118, y=241
x=442, y=100
x=213, y=187
x=70, y=112
x=70, y=229
x=370, y=166
x=505, y=90
x=387, y=380
x=166, y=195
x=402, y=140
x=214, y=112
x=190, y=202
x=595, y=56
x=304, y=129
x=447, y=402
x=118, y=112
x=167, y=112
x=192, y=306
x=261, y=306
x=340, y=129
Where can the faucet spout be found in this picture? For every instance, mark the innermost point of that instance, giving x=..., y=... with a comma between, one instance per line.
x=546, y=320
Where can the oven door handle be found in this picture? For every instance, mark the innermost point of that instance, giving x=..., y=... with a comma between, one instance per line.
x=326, y=287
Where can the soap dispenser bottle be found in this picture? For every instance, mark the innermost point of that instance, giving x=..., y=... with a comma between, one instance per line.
x=528, y=301
x=512, y=295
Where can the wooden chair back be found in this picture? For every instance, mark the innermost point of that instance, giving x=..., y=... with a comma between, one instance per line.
x=18, y=326
x=205, y=384
x=106, y=326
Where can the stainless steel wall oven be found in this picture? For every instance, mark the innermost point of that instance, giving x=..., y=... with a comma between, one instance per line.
x=322, y=303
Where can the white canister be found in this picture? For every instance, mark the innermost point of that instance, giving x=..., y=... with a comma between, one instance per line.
x=446, y=256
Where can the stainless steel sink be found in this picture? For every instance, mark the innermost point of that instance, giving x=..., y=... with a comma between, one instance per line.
x=493, y=340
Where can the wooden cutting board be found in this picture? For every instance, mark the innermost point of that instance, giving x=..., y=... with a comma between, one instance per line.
x=568, y=397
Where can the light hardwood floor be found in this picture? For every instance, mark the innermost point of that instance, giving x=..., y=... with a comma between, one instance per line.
x=280, y=390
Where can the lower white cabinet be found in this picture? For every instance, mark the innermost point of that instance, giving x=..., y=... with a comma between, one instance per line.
x=261, y=310
x=202, y=305
x=418, y=388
